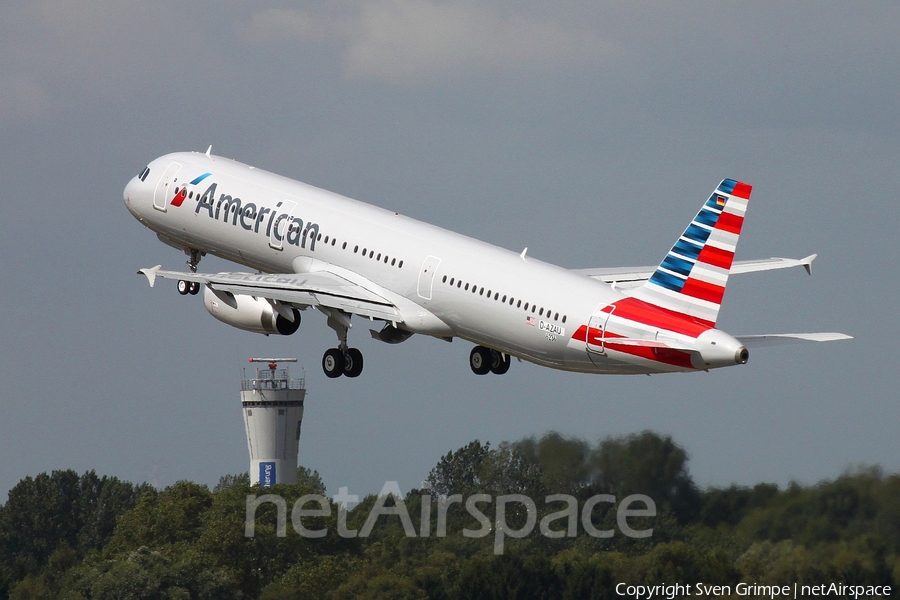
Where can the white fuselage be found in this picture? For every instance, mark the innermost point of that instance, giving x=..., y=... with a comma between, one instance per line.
x=462, y=287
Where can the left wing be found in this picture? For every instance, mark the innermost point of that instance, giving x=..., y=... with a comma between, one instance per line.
x=297, y=289
x=629, y=277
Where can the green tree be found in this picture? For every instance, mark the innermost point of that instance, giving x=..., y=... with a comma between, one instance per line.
x=650, y=464
x=60, y=508
x=459, y=472
x=565, y=463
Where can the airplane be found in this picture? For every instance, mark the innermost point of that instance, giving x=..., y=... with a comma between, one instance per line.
x=310, y=248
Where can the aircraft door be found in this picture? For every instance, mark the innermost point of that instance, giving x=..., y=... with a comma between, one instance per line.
x=595, y=337
x=168, y=180
x=279, y=230
x=426, y=277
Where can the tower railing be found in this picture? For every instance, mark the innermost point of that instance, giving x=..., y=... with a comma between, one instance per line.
x=272, y=379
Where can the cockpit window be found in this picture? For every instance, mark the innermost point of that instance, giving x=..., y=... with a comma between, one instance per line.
x=143, y=174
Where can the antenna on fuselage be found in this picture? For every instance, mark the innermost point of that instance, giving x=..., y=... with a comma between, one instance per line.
x=208, y=150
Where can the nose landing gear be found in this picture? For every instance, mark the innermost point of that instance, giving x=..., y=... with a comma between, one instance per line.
x=191, y=287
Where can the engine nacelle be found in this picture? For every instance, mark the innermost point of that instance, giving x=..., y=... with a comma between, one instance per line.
x=248, y=313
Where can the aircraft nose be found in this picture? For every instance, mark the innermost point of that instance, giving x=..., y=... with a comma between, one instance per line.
x=132, y=197
x=130, y=190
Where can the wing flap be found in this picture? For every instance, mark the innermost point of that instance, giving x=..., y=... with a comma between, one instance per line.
x=298, y=289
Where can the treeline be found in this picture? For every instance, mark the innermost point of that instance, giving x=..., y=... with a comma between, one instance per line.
x=68, y=536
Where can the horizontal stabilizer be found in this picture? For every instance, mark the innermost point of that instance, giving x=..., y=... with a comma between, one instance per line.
x=779, y=339
x=753, y=266
x=630, y=277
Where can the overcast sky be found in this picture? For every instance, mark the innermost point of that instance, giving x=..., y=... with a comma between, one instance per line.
x=590, y=134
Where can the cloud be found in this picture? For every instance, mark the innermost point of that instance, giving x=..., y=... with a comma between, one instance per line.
x=409, y=41
x=280, y=24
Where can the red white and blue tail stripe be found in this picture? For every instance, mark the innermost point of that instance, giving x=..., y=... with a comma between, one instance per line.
x=691, y=279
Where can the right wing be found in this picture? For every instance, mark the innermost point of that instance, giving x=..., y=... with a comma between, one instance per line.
x=297, y=289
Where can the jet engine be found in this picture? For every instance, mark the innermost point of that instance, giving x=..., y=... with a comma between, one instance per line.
x=250, y=313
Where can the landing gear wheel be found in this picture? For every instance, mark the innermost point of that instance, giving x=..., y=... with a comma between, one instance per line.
x=333, y=363
x=353, y=363
x=184, y=287
x=480, y=360
x=194, y=288
x=500, y=362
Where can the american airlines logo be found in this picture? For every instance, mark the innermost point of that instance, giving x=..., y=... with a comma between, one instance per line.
x=181, y=196
x=275, y=224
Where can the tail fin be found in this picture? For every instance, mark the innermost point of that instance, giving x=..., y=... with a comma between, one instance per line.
x=691, y=279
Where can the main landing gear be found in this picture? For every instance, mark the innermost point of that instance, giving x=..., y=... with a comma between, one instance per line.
x=337, y=362
x=341, y=360
x=484, y=360
x=188, y=287
x=191, y=287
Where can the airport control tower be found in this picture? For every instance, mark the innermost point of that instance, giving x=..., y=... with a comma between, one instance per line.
x=273, y=410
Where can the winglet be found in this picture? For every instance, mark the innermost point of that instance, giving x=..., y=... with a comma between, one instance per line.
x=150, y=274
x=807, y=263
